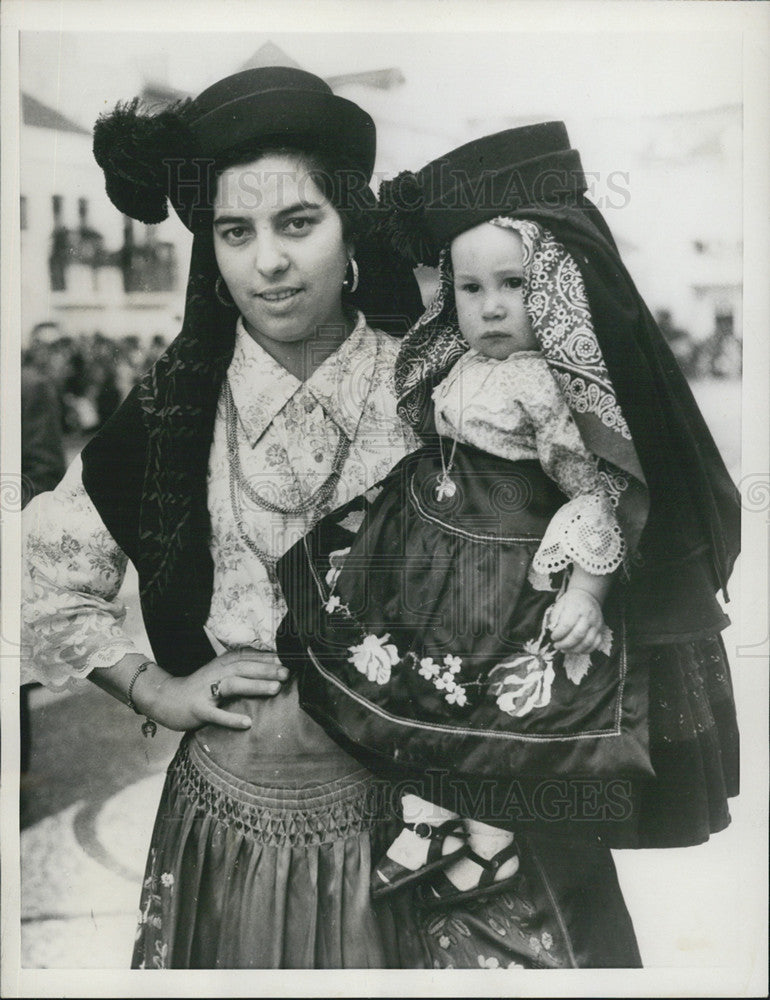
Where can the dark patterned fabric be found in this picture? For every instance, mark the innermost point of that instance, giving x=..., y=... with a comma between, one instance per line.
x=563, y=911
x=694, y=745
x=689, y=720
x=434, y=604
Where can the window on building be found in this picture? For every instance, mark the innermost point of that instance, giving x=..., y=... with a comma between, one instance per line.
x=725, y=357
x=57, y=262
x=23, y=212
x=57, y=204
x=724, y=322
x=149, y=267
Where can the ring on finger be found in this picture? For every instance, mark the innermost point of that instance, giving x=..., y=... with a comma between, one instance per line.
x=215, y=690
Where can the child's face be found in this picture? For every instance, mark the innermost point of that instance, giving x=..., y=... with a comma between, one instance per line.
x=488, y=286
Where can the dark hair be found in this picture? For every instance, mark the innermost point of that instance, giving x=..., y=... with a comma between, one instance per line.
x=344, y=185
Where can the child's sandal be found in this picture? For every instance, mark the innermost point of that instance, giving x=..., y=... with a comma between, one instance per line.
x=440, y=892
x=389, y=875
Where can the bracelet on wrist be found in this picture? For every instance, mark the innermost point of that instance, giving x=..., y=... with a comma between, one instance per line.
x=149, y=728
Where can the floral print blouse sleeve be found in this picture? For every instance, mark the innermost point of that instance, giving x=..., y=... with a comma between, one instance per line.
x=73, y=570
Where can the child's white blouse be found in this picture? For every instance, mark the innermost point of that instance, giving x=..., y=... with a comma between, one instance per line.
x=515, y=409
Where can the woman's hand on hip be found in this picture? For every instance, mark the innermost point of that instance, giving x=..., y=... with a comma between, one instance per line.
x=184, y=703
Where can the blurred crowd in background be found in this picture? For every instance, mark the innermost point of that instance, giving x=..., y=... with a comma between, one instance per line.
x=89, y=377
x=717, y=356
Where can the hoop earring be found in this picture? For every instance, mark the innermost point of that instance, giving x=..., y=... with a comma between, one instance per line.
x=227, y=302
x=354, y=283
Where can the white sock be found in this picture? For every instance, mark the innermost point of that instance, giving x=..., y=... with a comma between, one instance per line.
x=486, y=841
x=418, y=810
x=411, y=850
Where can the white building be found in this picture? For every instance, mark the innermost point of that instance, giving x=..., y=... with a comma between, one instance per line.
x=74, y=242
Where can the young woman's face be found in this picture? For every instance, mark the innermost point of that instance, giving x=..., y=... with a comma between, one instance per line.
x=487, y=264
x=280, y=248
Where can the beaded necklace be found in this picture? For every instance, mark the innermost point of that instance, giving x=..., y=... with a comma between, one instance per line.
x=239, y=486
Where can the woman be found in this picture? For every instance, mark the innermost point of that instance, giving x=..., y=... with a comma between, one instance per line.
x=275, y=404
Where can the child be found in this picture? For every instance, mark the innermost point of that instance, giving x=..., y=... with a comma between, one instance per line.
x=464, y=621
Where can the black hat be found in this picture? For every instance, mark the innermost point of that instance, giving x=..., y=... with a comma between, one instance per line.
x=148, y=158
x=504, y=172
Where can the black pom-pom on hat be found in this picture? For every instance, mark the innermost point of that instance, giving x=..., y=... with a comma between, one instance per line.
x=136, y=150
x=402, y=220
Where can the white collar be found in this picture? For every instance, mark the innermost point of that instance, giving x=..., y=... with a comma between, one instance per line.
x=262, y=387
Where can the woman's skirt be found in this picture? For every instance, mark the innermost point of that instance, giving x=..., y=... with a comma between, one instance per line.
x=247, y=876
x=241, y=875
x=694, y=745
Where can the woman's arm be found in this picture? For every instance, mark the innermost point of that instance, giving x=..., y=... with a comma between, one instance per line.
x=184, y=703
x=72, y=572
x=72, y=621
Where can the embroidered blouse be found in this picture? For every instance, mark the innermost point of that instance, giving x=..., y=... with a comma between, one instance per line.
x=515, y=409
x=287, y=435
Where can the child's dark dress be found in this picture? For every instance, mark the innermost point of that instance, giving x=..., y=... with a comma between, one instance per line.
x=430, y=644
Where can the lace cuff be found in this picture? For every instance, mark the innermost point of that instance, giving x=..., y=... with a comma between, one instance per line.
x=73, y=571
x=584, y=532
x=59, y=668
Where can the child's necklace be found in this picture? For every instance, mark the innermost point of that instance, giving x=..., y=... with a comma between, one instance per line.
x=446, y=489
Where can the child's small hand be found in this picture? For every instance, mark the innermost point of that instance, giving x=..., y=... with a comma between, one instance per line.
x=576, y=622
